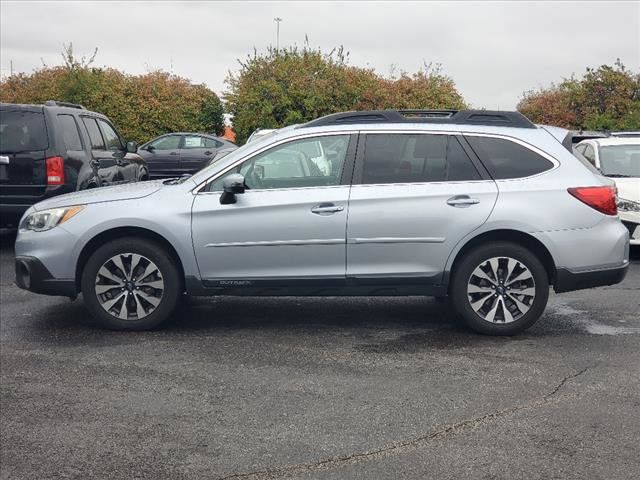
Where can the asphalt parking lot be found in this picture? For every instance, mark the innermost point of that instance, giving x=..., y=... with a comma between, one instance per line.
x=375, y=388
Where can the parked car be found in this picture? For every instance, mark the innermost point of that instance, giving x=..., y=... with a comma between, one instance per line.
x=483, y=207
x=177, y=154
x=56, y=148
x=619, y=159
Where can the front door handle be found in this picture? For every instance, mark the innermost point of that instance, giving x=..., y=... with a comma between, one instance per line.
x=326, y=209
x=462, y=201
x=173, y=153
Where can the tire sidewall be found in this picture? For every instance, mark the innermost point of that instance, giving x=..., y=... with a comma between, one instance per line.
x=155, y=253
x=462, y=272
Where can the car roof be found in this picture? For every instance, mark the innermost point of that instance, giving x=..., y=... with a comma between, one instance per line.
x=58, y=107
x=615, y=141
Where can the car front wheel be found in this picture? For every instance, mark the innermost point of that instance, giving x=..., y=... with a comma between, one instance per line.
x=131, y=284
x=499, y=288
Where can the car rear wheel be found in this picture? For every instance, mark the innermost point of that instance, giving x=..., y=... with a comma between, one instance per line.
x=131, y=284
x=499, y=288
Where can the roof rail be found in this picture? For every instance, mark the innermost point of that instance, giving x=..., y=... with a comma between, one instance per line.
x=458, y=117
x=56, y=103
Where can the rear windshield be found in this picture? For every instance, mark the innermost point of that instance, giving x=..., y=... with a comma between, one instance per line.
x=22, y=131
x=620, y=160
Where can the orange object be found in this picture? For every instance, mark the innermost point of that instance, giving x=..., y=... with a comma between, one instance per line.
x=229, y=134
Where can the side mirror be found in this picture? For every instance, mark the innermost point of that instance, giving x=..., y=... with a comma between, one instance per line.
x=132, y=147
x=232, y=186
x=149, y=148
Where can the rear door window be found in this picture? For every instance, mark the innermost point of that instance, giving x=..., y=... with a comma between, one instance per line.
x=505, y=159
x=22, y=131
x=408, y=158
x=70, y=132
x=97, y=143
x=193, y=141
x=110, y=135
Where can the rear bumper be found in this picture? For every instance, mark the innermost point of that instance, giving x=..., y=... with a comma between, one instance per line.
x=32, y=275
x=10, y=214
x=567, y=281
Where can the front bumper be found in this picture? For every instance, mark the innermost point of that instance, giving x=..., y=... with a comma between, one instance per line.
x=631, y=220
x=567, y=281
x=32, y=275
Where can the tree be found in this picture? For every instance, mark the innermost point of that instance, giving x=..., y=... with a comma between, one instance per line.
x=295, y=85
x=604, y=98
x=141, y=106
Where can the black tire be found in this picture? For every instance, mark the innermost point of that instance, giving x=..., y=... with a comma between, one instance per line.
x=169, y=296
x=460, y=300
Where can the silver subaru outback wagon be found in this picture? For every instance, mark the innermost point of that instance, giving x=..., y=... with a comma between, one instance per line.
x=482, y=207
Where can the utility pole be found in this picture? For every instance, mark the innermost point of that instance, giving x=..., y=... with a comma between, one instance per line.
x=277, y=20
x=11, y=68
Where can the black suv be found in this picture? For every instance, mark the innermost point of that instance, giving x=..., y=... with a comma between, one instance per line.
x=56, y=148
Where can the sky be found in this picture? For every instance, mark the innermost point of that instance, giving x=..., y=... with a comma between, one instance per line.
x=493, y=51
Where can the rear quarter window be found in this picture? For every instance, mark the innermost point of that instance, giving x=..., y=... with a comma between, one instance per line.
x=97, y=143
x=505, y=159
x=22, y=131
x=70, y=132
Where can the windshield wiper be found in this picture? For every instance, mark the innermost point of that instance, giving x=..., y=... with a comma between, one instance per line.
x=619, y=175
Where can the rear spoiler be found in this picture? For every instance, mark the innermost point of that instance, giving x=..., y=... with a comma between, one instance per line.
x=564, y=136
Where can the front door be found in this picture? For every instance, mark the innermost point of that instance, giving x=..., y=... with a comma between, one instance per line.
x=115, y=145
x=289, y=224
x=415, y=196
x=163, y=157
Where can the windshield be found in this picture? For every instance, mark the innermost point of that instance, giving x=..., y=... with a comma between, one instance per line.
x=233, y=155
x=620, y=160
x=22, y=131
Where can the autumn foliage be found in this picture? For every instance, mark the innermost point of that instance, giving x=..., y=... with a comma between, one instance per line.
x=604, y=98
x=294, y=85
x=141, y=106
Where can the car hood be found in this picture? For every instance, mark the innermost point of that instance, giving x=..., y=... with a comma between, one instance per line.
x=628, y=188
x=125, y=191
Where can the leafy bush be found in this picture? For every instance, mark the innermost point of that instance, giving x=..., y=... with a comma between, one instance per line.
x=294, y=85
x=604, y=98
x=141, y=106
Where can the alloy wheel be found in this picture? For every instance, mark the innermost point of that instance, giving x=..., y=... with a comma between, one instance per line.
x=501, y=290
x=129, y=286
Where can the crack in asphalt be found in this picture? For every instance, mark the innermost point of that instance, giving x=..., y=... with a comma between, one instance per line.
x=417, y=442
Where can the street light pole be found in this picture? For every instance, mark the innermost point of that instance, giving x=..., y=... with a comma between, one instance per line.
x=277, y=20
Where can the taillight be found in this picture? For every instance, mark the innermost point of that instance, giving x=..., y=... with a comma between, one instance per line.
x=55, y=171
x=602, y=199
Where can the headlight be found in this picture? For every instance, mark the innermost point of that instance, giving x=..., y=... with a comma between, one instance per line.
x=628, y=205
x=47, y=219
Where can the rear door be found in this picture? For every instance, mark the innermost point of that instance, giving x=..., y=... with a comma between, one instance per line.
x=23, y=145
x=196, y=152
x=414, y=197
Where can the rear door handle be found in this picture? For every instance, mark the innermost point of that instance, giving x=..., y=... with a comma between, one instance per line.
x=326, y=209
x=173, y=153
x=208, y=152
x=462, y=201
